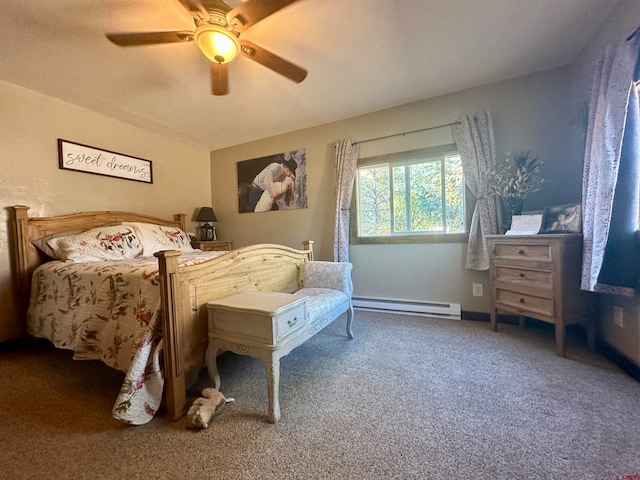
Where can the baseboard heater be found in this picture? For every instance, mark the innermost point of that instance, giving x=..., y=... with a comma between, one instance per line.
x=408, y=307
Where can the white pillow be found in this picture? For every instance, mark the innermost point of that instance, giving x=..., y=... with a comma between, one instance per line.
x=155, y=238
x=98, y=244
x=41, y=243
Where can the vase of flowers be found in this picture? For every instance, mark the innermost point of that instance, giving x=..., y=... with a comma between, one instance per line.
x=513, y=179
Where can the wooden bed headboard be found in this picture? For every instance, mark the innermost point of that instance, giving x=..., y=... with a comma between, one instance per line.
x=27, y=229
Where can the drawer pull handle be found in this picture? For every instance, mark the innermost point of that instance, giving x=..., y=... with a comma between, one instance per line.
x=291, y=323
x=521, y=300
x=520, y=252
x=521, y=275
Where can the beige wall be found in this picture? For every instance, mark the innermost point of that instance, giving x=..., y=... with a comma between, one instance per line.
x=30, y=125
x=530, y=113
x=624, y=337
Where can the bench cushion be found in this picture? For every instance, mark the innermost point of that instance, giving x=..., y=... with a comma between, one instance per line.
x=324, y=305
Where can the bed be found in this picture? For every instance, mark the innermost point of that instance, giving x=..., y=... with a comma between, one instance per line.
x=143, y=315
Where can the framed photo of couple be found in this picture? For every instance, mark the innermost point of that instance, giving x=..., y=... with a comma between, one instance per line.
x=271, y=183
x=562, y=219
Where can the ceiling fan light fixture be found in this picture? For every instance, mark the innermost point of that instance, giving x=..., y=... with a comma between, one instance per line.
x=217, y=43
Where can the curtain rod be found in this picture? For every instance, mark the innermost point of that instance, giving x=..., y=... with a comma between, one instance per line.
x=406, y=133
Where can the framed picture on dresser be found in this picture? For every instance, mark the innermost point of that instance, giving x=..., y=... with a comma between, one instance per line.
x=562, y=219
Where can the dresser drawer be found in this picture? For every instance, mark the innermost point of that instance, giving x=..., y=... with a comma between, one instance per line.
x=212, y=246
x=534, y=252
x=289, y=321
x=524, y=277
x=220, y=247
x=525, y=303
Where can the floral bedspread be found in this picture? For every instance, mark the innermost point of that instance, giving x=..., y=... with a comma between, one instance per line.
x=108, y=311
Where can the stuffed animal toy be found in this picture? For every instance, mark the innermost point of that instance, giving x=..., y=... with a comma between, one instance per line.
x=205, y=407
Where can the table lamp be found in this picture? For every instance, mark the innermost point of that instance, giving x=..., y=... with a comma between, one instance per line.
x=207, y=231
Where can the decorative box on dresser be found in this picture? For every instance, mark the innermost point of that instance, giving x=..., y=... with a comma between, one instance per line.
x=538, y=276
x=211, y=245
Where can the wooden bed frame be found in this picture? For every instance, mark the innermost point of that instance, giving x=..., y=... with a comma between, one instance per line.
x=184, y=291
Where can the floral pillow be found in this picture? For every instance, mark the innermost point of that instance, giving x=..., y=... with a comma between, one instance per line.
x=155, y=238
x=98, y=244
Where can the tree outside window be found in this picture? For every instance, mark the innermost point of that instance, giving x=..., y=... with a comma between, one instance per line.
x=412, y=193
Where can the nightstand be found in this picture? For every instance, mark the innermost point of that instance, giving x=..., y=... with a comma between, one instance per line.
x=538, y=276
x=212, y=246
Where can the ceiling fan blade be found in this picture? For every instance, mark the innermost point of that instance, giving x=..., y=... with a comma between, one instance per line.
x=194, y=6
x=272, y=61
x=219, y=78
x=149, y=38
x=252, y=11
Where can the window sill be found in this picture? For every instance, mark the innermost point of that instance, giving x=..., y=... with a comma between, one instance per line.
x=410, y=239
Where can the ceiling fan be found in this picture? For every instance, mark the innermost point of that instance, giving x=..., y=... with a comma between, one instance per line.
x=217, y=34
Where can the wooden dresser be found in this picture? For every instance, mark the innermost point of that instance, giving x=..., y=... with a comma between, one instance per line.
x=538, y=276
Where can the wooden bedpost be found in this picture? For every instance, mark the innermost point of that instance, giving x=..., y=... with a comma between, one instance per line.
x=308, y=245
x=180, y=217
x=175, y=386
x=21, y=255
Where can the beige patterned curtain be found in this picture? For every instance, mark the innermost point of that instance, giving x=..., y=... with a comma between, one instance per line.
x=474, y=138
x=346, y=166
x=610, y=181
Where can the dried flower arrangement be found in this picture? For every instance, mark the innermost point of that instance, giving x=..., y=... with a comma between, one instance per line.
x=515, y=178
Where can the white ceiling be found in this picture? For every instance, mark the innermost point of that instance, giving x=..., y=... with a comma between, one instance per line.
x=361, y=55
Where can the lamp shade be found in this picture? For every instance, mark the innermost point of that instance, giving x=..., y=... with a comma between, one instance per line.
x=217, y=43
x=206, y=214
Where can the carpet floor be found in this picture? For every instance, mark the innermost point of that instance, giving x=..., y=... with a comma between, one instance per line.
x=408, y=398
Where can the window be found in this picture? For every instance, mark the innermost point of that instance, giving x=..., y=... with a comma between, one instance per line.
x=417, y=193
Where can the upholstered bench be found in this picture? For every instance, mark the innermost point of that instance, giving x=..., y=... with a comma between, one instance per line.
x=329, y=288
x=268, y=325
